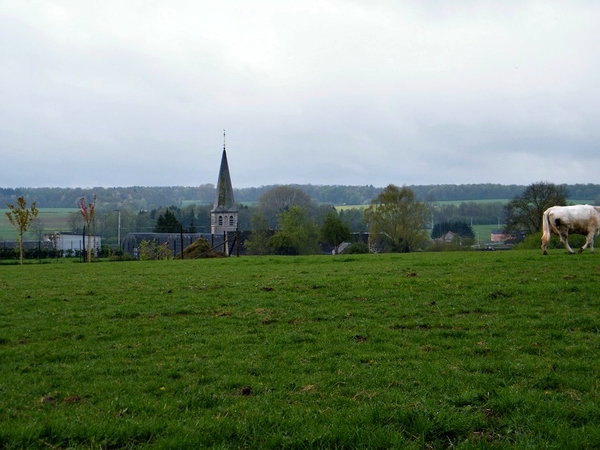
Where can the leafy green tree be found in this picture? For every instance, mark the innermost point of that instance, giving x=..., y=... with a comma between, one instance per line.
x=258, y=243
x=280, y=199
x=284, y=243
x=397, y=221
x=298, y=234
x=355, y=217
x=143, y=221
x=524, y=212
x=334, y=231
x=21, y=218
x=167, y=223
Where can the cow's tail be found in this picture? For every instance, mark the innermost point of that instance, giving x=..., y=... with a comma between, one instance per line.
x=546, y=232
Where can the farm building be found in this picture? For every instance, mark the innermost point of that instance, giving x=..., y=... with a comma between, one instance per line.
x=508, y=238
x=71, y=242
x=500, y=236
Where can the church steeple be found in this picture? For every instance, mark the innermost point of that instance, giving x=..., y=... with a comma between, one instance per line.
x=224, y=216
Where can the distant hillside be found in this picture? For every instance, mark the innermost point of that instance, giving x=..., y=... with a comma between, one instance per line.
x=149, y=197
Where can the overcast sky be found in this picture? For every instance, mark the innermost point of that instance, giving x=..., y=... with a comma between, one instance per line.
x=354, y=92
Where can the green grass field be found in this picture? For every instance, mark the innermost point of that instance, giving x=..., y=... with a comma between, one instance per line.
x=54, y=219
x=428, y=350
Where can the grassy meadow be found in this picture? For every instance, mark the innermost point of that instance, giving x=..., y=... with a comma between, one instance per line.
x=423, y=350
x=54, y=219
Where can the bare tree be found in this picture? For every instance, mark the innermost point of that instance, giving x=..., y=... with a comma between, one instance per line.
x=75, y=222
x=280, y=199
x=524, y=212
x=21, y=218
x=38, y=226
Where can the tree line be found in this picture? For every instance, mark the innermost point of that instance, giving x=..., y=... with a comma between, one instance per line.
x=286, y=220
x=139, y=198
x=264, y=214
x=195, y=217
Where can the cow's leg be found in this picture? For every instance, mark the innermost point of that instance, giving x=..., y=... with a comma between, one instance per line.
x=544, y=246
x=564, y=238
x=589, y=241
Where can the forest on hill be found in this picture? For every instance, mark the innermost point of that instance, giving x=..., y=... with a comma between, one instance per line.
x=140, y=198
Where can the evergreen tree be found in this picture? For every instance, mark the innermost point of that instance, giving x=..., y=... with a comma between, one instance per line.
x=167, y=223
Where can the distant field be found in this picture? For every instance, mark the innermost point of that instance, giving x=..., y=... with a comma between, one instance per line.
x=424, y=350
x=345, y=207
x=483, y=233
x=458, y=202
x=55, y=219
x=506, y=200
x=580, y=202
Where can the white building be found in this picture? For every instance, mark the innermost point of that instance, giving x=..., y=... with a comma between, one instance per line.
x=73, y=242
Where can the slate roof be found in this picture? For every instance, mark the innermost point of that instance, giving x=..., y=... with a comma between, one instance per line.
x=224, y=197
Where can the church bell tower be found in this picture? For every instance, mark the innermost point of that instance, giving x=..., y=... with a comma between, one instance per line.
x=224, y=216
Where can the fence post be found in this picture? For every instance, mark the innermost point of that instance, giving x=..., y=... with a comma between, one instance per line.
x=181, y=241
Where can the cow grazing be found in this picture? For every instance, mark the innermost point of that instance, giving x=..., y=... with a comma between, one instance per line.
x=576, y=219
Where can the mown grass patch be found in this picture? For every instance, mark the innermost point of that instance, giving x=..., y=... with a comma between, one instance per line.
x=364, y=351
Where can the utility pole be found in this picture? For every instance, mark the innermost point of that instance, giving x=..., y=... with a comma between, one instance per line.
x=119, y=228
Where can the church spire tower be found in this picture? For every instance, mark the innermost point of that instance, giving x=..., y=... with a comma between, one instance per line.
x=224, y=216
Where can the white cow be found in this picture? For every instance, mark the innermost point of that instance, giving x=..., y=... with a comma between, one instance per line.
x=576, y=219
